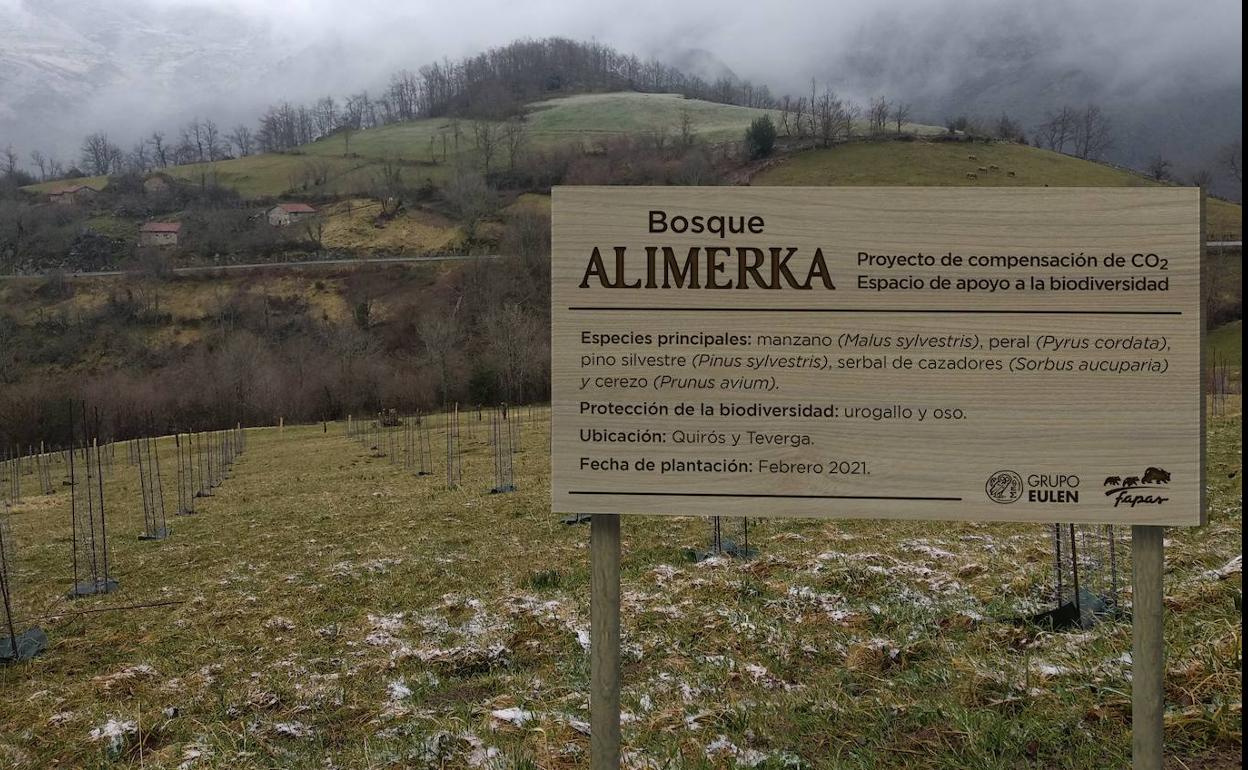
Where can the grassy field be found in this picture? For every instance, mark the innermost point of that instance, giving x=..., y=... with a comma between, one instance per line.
x=947, y=164
x=334, y=610
x=1226, y=343
x=97, y=182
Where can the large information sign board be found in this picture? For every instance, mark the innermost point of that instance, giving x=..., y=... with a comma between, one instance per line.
x=919, y=353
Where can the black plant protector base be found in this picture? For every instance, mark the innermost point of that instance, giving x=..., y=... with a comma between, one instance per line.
x=729, y=548
x=159, y=534
x=576, y=518
x=504, y=489
x=29, y=643
x=1072, y=616
x=89, y=588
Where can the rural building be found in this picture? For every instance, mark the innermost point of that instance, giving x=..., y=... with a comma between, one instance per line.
x=160, y=234
x=76, y=193
x=157, y=183
x=289, y=213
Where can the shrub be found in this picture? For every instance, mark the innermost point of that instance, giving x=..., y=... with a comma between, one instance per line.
x=760, y=137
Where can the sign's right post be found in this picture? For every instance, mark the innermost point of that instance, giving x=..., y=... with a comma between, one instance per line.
x=1147, y=659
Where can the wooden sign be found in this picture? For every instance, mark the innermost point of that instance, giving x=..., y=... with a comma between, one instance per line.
x=913, y=353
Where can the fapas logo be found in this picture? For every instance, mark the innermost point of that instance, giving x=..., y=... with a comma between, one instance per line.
x=1146, y=489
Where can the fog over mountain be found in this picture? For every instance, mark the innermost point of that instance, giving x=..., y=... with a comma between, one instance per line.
x=1168, y=73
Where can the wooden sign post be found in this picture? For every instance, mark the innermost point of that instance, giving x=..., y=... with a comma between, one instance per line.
x=1026, y=355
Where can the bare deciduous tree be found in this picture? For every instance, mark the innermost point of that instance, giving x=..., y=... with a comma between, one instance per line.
x=1232, y=157
x=1091, y=133
x=513, y=339
x=687, y=129
x=358, y=111
x=877, y=115
x=486, y=135
x=325, y=113
x=138, y=161
x=441, y=334
x=1007, y=128
x=472, y=199
x=41, y=163
x=515, y=136
x=242, y=140
x=831, y=119
x=1202, y=178
x=798, y=124
x=1158, y=168
x=388, y=186
x=8, y=157
x=901, y=113
x=193, y=137
x=346, y=129
x=99, y=155
x=1056, y=130
x=211, y=140
x=160, y=152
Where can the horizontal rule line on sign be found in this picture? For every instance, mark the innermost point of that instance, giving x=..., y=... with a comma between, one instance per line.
x=726, y=494
x=635, y=309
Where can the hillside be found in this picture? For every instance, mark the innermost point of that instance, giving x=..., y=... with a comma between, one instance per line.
x=431, y=149
x=328, y=607
x=946, y=163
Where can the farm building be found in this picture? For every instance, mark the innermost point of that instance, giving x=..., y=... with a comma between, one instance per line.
x=77, y=193
x=289, y=213
x=160, y=234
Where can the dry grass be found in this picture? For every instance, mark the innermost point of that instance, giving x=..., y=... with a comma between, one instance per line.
x=353, y=226
x=337, y=611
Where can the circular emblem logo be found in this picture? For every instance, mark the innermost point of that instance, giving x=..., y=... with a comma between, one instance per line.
x=1004, y=487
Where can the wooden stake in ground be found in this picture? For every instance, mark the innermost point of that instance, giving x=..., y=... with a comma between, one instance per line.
x=1148, y=648
x=604, y=641
x=155, y=524
x=6, y=549
x=14, y=647
x=89, y=534
x=452, y=448
x=502, y=437
x=423, y=445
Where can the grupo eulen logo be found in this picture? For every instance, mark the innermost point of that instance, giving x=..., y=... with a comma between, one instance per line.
x=1004, y=487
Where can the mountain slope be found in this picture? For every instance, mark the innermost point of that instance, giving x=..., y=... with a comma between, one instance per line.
x=431, y=148
x=948, y=164
x=1164, y=97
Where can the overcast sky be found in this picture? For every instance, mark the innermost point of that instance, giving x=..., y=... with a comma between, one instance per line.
x=784, y=41
x=299, y=49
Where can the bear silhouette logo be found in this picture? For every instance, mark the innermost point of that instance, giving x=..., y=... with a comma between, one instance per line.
x=1113, y=481
x=1156, y=476
x=1131, y=481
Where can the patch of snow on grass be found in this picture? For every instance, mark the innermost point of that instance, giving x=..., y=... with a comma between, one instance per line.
x=116, y=732
x=296, y=730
